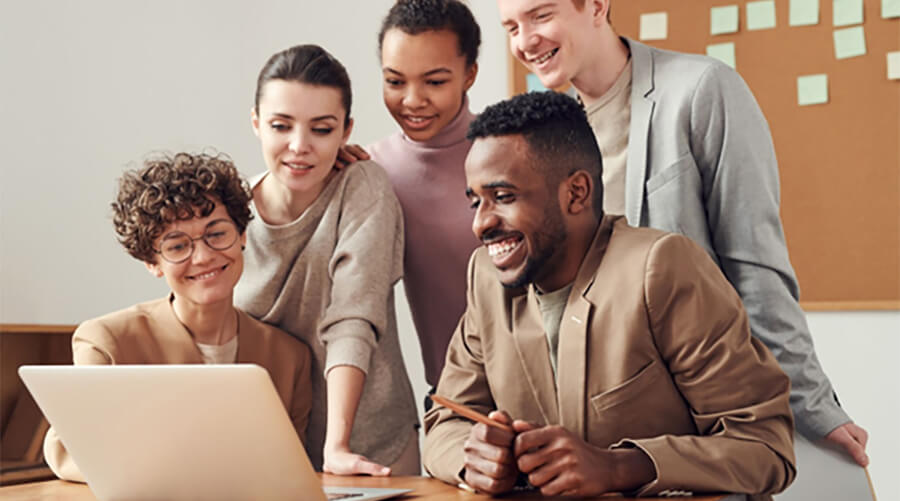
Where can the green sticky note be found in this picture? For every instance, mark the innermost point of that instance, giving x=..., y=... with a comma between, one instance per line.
x=723, y=52
x=804, y=13
x=654, y=26
x=761, y=15
x=723, y=20
x=893, y=65
x=849, y=42
x=890, y=8
x=812, y=89
x=848, y=12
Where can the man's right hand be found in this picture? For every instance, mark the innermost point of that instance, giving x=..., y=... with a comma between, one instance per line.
x=490, y=465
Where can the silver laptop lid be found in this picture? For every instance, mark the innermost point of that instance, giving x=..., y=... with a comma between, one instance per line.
x=175, y=431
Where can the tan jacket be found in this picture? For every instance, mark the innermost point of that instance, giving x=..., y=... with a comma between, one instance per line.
x=150, y=333
x=654, y=352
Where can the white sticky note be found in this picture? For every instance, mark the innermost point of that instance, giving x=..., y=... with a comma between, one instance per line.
x=893, y=65
x=804, y=13
x=723, y=19
x=847, y=12
x=849, y=42
x=812, y=89
x=761, y=15
x=654, y=26
x=890, y=8
x=723, y=52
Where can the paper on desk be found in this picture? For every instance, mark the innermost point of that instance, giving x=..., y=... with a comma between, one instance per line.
x=890, y=8
x=723, y=52
x=804, y=13
x=893, y=65
x=812, y=89
x=723, y=19
x=847, y=12
x=849, y=42
x=654, y=26
x=761, y=15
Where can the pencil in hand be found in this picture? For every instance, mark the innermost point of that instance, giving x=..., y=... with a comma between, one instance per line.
x=472, y=414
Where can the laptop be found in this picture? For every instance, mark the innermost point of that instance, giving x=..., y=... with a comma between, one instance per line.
x=176, y=432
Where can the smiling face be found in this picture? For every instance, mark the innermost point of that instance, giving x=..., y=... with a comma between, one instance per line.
x=208, y=276
x=425, y=80
x=300, y=128
x=552, y=38
x=517, y=216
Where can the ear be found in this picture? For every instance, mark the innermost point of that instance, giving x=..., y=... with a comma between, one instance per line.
x=347, y=131
x=254, y=121
x=471, y=73
x=599, y=11
x=579, y=193
x=243, y=239
x=154, y=269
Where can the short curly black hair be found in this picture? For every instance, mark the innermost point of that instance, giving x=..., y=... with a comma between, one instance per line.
x=175, y=187
x=417, y=16
x=557, y=131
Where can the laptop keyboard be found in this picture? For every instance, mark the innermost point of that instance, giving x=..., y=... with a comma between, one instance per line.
x=343, y=495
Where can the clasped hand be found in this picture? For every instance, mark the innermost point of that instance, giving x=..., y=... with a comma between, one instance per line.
x=556, y=461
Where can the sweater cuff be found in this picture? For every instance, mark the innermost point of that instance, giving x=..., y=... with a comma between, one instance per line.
x=350, y=342
x=815, y=424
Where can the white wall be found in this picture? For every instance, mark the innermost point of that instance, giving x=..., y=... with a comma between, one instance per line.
x=89, y=88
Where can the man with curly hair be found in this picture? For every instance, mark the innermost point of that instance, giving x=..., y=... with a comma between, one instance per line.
x=631, y=353
x=184, y=216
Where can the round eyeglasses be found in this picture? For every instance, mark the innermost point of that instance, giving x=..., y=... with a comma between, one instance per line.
x=177, y=247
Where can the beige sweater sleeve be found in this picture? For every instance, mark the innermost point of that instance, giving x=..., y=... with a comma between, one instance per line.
x=366, y=263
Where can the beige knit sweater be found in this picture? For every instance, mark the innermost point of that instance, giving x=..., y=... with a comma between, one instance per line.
x=327, y=278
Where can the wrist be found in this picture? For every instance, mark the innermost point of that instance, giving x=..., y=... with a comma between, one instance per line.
x=632, y=469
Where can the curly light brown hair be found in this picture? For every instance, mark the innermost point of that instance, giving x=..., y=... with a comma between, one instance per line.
x=175, y=187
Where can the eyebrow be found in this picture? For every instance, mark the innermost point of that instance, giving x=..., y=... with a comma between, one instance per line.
x=491, y=186
x=529, y=12
x=313, y=119
x=427, y=73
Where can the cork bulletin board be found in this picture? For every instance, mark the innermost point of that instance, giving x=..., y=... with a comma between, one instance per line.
x=839, y=161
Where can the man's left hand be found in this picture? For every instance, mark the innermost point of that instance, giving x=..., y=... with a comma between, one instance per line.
x=561, y=464
x=852, y=439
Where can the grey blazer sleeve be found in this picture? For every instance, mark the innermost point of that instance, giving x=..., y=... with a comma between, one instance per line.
x=732, y=145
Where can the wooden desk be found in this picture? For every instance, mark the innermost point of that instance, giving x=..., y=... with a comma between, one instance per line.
x=423, y=488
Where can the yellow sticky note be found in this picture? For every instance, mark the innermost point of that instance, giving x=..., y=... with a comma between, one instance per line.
x=890, y=8
x=893, y=65
x=849, y=42
x=654, y=26
x=723, y=52
x=812, y=89
x=761, y=15
x=804, y=13
x=848, y=12
x=723, y=20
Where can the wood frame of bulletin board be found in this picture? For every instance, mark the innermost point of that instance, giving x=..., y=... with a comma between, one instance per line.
x=839, y=162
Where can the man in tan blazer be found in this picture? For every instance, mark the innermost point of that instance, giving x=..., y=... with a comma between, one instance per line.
x=623, y=354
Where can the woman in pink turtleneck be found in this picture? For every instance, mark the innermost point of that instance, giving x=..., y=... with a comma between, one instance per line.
x=428, y=52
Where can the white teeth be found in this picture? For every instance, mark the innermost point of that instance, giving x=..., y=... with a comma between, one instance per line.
x=206, y=275
x=298, y=166
x=545, y=57
x=503, y=247
x=417, y=119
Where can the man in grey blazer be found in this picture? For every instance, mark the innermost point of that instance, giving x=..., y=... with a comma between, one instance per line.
x=686, y=149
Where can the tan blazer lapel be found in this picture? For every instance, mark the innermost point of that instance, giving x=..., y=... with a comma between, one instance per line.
x=531, y=344
x=175, y=340
x=573, y=336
